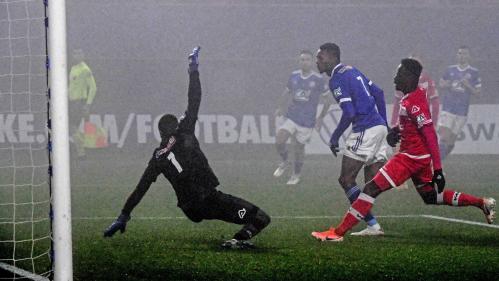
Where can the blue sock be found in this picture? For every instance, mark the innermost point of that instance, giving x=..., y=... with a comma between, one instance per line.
x=352, y=194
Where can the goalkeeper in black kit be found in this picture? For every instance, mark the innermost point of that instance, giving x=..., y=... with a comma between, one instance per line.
x=180, y=159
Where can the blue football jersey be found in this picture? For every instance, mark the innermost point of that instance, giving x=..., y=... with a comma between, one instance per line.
x=349, y=85
x=456, y=99
x=306, y=92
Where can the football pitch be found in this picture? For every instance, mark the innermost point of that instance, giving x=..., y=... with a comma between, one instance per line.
x=421, y=243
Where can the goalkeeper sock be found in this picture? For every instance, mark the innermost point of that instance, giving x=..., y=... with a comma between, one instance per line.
x=352, y=194
x=357, y=212
x=453, y=198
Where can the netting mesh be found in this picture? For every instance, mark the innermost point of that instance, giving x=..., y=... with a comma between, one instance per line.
x=24, y=181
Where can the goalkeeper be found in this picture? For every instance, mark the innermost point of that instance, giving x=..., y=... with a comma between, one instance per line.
x=180, y=159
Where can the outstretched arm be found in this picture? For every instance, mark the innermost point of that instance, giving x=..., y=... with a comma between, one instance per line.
x=188, y=123
x=149, y=176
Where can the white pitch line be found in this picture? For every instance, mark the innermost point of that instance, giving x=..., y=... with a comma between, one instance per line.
x=22, y=272
x=273, y=217
x=460, y=221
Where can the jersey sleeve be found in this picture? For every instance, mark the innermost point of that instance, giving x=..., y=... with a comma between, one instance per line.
x=379, y=99
x=341, y=91
x=476, y=80
x=419, y=112
x=148, y=177
x=91, y=87
x=188, y=122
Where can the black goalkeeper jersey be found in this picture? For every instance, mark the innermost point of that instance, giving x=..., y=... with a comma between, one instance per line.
x=180, y=159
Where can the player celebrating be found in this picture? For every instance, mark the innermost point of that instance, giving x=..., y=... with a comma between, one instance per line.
x=418, y=154
x=306, y=87
x=460, y=82
x=363, y=106
x=180, y=159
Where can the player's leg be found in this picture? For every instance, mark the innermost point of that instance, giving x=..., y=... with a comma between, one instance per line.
x=447, y=137
x=349, y=170
x=232, y=209
x=298, y=164
x=76, y=115
x=372, y=149
x=283, y=134
x=429, y=194
x=393, y=173
x=302, y=137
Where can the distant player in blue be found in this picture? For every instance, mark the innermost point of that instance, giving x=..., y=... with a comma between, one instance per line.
x=459, y=83
x=305, y=89
x=363, y=106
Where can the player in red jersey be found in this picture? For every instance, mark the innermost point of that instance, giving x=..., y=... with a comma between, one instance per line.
x=418, y=154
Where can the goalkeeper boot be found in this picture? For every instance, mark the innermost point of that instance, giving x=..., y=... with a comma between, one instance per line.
x=488, y=209
x=237, y=244
x=374, y=230
x=281, y=169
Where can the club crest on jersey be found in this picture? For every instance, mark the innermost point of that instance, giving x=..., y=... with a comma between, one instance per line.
x=415, y=109
x=337, y=92
x=241, y=213
x=311, y=84
x=162, y=151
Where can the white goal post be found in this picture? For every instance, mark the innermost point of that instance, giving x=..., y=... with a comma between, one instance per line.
x=61, y=190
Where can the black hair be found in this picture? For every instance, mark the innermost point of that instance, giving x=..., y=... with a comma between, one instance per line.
x=332, y=49
x=167, y=125
x=413, y=66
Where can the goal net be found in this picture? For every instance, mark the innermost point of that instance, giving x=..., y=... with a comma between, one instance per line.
x=25, y=225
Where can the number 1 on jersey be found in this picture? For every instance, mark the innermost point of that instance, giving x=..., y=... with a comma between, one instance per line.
x=363, y=85
x=175, y=163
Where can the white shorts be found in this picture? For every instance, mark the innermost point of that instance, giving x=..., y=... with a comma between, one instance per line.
x=302, y=134
x=452, y=121
x=369, y=146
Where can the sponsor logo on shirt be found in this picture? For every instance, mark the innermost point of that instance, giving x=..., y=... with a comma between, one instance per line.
x=337, y=92
x=420, y=119
x=164, y=150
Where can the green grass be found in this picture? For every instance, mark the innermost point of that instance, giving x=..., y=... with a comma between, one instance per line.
x=171, y=248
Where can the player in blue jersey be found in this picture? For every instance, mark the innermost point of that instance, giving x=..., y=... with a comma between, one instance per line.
x=459, y=83
x=363, y=106
x=306, y=88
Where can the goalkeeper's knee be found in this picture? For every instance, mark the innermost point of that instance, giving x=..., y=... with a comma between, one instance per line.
x=260, y=220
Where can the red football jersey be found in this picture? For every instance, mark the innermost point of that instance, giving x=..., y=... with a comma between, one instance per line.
x=414, y=113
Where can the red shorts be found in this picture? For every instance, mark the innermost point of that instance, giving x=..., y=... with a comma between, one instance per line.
x=401, y=167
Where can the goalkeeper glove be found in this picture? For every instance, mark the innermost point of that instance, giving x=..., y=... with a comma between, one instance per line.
x=439, y=180
x=194, y=59
x=393, y=136
x=118, y=224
